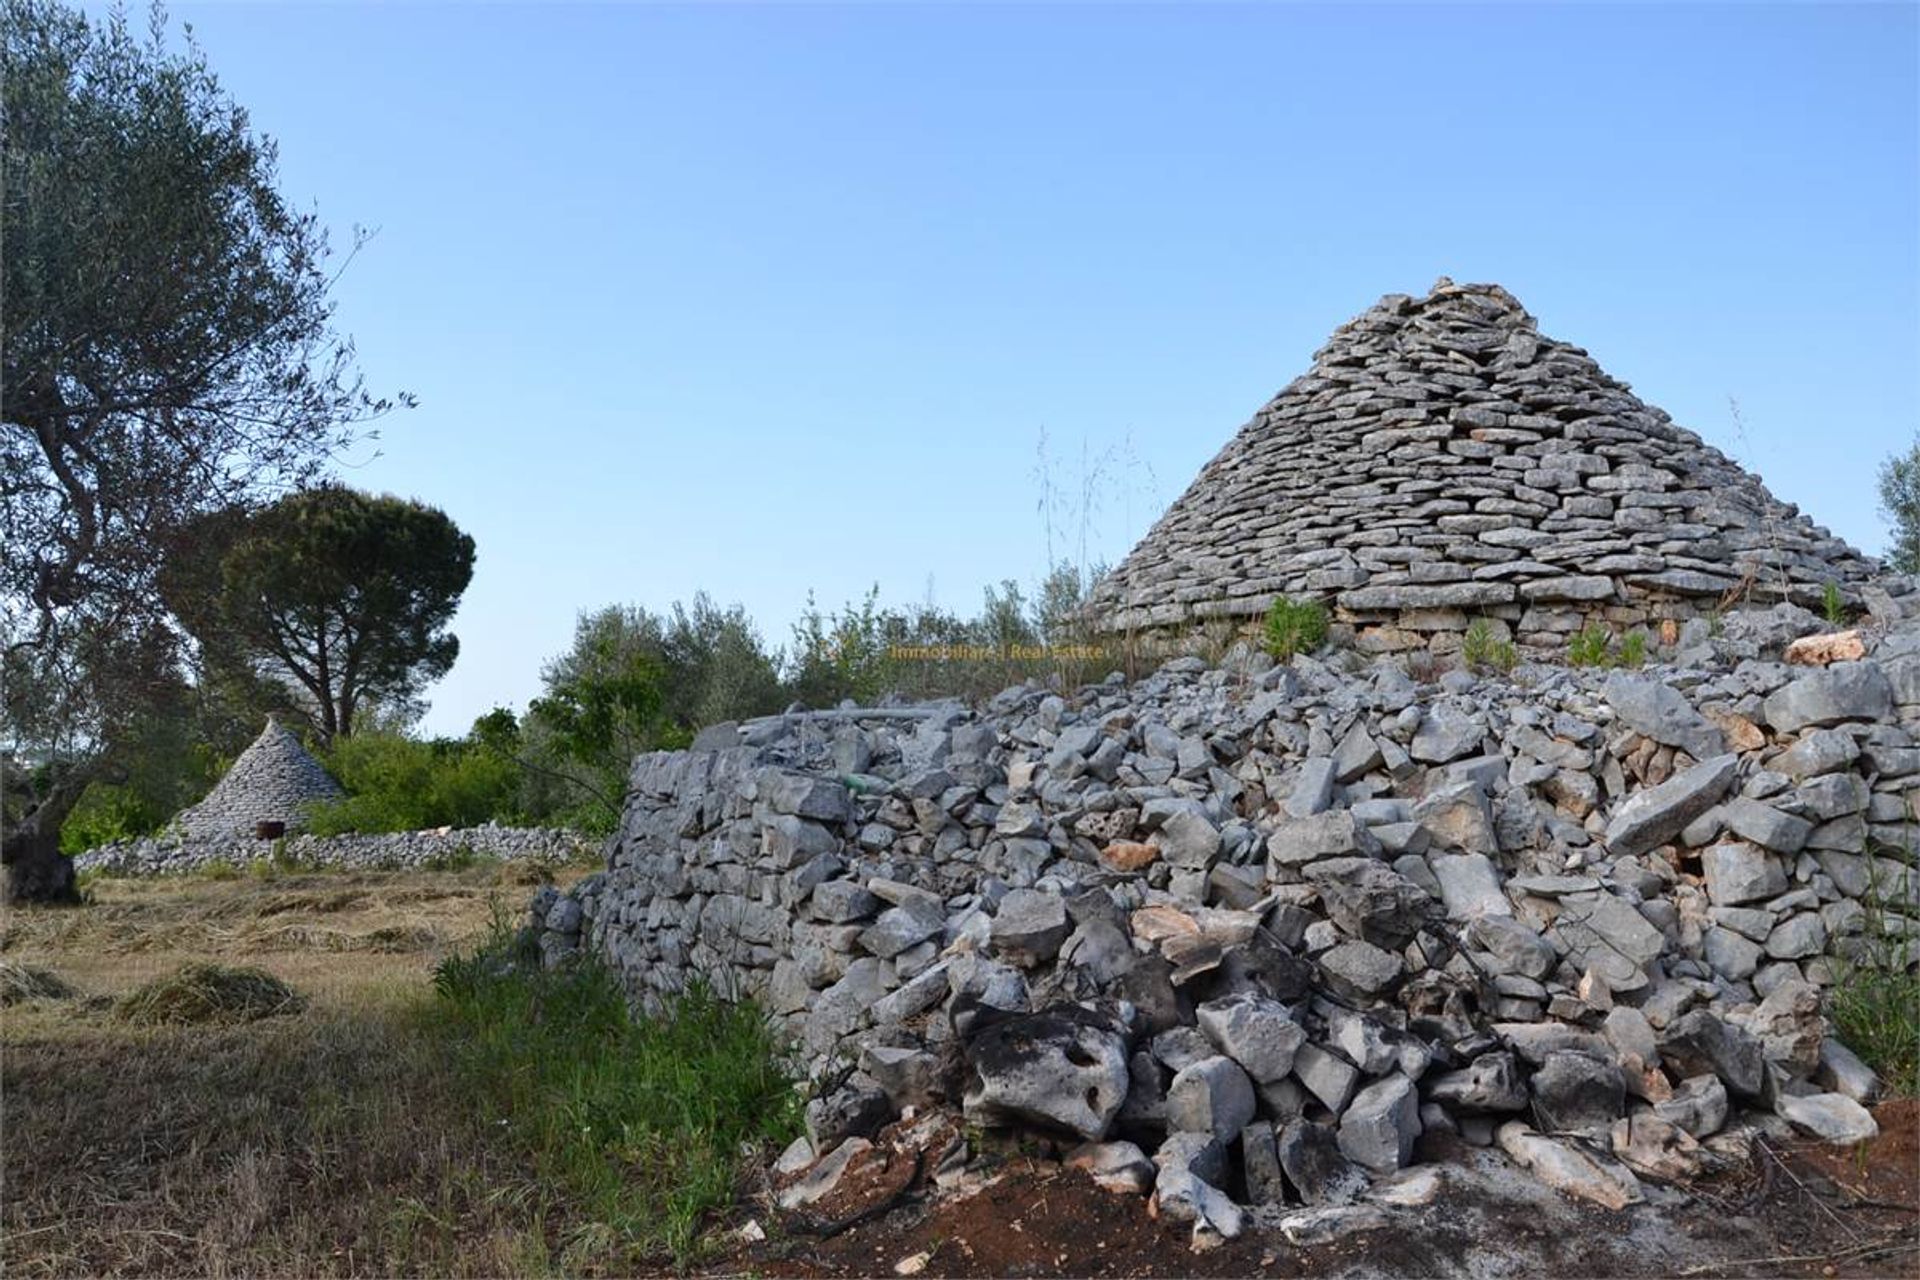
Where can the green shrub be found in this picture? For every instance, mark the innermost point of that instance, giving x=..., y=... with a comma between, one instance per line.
x=397, y=783
x=106, y=813
x=1482, y=650
x=1294, y=626
x=1590, y=646
x=646, y=1121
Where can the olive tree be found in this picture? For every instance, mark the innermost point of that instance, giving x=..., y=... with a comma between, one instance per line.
x=168, y=350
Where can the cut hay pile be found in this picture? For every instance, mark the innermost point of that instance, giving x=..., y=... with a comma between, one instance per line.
x=210, y=993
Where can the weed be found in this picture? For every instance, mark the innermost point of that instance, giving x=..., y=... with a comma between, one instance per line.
x=645, y=1120
x=1633, y=649
x=1590, y=646
x=1875, y=1001
x=1482, y=650
x=1593, y=646
x=1832, y=604
x=1294, y=626
x=210, y=993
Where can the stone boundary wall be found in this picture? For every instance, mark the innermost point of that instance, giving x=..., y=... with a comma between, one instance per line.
x=167, y=854
x=1270, y=924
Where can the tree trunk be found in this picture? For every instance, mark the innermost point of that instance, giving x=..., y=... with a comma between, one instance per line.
x=36, y=869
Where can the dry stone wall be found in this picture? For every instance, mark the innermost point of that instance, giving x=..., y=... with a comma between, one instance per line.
x=1443, y=460
x=1249, y=932
x=178, y=851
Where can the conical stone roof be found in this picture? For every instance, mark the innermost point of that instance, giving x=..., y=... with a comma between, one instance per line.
x=1444, y=459
x=270, y=782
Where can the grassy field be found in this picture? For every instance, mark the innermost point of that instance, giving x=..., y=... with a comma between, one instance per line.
x=370, y=1125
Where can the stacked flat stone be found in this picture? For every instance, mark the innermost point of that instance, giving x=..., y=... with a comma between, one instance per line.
x=1443, y=460
x=176, y=852
x=274, y=780
x=1261, y=927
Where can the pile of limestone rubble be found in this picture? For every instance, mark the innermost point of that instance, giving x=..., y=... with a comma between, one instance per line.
x=1244, y=934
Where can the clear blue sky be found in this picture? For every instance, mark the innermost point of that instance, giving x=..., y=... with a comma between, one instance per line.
x=759, y=300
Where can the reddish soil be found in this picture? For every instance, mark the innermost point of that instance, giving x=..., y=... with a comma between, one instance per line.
x=1798, y=1209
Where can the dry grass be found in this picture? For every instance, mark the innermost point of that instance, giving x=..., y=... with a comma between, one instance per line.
x=210, y=993
x=336, y=1140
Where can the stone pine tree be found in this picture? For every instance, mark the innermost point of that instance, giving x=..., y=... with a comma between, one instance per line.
x=343, y=596
x=168, y=351
x=1900, y=503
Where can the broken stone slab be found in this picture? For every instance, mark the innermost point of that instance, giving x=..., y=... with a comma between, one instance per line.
x=1469, y=886
x=1319, y=1171
x=1183, y=1195
x=909, y=1077
x=1607, y=933
x=1569, y=1169
x=1573, y=1093
x=1370, y=900
x=1119, y=1167
x=1455, y=815
x=1358, y=970
x=1491, y=1082
x=1445, y=735
x=858, y=1107
x=1327, y=1076
x=1212, y=1096
x=1260, y=1165
x=1656, y=1148
x=1307, y=1227
x=898, y=928
x=1515, y=947
x=1817, y=754
x=1737, y=872
x=1655, y=710
x=1379, y=1126
x=1256, y=1032
x=1767, y=826
x=1333, y=834
x=1699, y=1043
x=819, y=1181
x=1842, y=1071
x=1829, y=696
x=1652, y=817
x=1029, y=927
x=1830, y=1117
x=1063, y=1067
x=1313, y=789
x=1825, y=650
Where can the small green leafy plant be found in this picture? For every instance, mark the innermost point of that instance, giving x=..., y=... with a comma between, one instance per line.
x=1594, y=646
x=1833, y=604
x=1295, y=626
x=1633, y=649
x=1482, y=650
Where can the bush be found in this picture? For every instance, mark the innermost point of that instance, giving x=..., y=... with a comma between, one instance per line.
x=1295, y=626
x=647, y=1121
x=397, y=783
x=1482, y=650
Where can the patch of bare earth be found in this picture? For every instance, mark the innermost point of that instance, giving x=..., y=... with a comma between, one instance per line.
x=1798, y=1209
